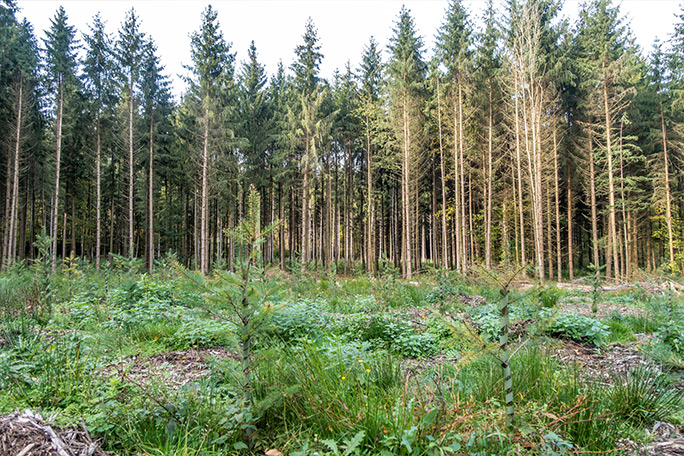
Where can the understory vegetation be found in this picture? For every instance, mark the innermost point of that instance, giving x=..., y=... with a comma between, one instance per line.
x=152, y=364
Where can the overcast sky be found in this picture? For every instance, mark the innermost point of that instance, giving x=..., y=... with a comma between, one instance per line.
x=276, y=26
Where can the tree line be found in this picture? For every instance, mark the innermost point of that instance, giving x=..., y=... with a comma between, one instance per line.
x=526, y=140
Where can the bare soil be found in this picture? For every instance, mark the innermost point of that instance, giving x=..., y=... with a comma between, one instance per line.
x=603, y=364
x=177, y=368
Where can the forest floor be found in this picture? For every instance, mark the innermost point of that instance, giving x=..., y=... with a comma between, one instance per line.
x=150, y=365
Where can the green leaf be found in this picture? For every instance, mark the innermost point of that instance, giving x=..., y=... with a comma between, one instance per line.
x=240, y=446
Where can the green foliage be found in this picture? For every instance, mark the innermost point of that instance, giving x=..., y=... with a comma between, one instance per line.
x=645, y=397
x=620, y=331
x=327, y=388
x=140, y=303
x=574, y=326
x=549, y=296
x=48, y=373
x=292, y=321
x=672, y=335
x=393, y=332
x=445, y=294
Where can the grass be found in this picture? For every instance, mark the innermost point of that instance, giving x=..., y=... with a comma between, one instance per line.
x=345, y=365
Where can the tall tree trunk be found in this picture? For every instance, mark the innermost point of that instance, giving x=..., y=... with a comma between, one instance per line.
x=518, y=160
x=406, y=195
x=98, y=190
x=612, y=226
x=15, y=178
x=668, y=197
x=305, y=207
x=571, y=266
x=150, y=195
x=625, y=269
x=461, y=147
x=204, y=229
x=594, y=211
x=442, y=165
x=557, y=195
x=490, y=175
x=369, y=202
x=131, y=250
x=58, y=157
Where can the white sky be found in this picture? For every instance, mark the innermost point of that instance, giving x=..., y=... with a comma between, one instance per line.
x=276, y=26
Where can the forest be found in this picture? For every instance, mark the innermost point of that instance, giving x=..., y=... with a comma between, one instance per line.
x=528, y=141
x=475, y=249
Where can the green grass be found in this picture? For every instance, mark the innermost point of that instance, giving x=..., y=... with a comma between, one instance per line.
x=341, y=363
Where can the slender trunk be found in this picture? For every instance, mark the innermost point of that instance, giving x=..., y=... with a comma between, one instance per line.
x=72, y=249
x=98, y=190
x=612, y=227
x=305, y=207
x=442, y=165
x=518, y=160
x=557, y=195
x=461, y=146
x=625, y=269
x=150, y=195
x=594, y=212
x=15, y=177
x=369, y=202
x=8, y=206
x=204, y=248
x=64, y=233
x=131, y=250
x=668, y=197
x=58, y=156
x=488, y=222
x=571, y=266
x=406, y=195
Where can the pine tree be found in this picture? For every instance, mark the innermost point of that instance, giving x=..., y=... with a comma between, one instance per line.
x=98, y=70
x=156, y=100
x=129, y=55
x=406, y=71
x=608, y=61
x=454, y=51
x=213, y=68
x=369, y=112
x=61, y=64
x=305, y=122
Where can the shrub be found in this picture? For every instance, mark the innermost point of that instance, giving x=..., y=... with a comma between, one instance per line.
x=672, y=335
x=394, y=333
x=292, y=321
x=574, y=326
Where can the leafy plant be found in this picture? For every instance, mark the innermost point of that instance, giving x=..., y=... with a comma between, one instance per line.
x=574, y=326
x=291, y=321
x=394, y=333
x=672, y=335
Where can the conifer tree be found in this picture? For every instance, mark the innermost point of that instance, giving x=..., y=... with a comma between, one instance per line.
x=454, y=51
x=61, y=65
x=406, y=71
x=129, y=56
x=98, y=71
x=213, y=69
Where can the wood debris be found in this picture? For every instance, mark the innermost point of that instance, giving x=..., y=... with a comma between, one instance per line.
x=28, y=434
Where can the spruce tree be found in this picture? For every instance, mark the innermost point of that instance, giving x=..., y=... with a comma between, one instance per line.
x=407, y=74
x=61, y=67
x=213, y=71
